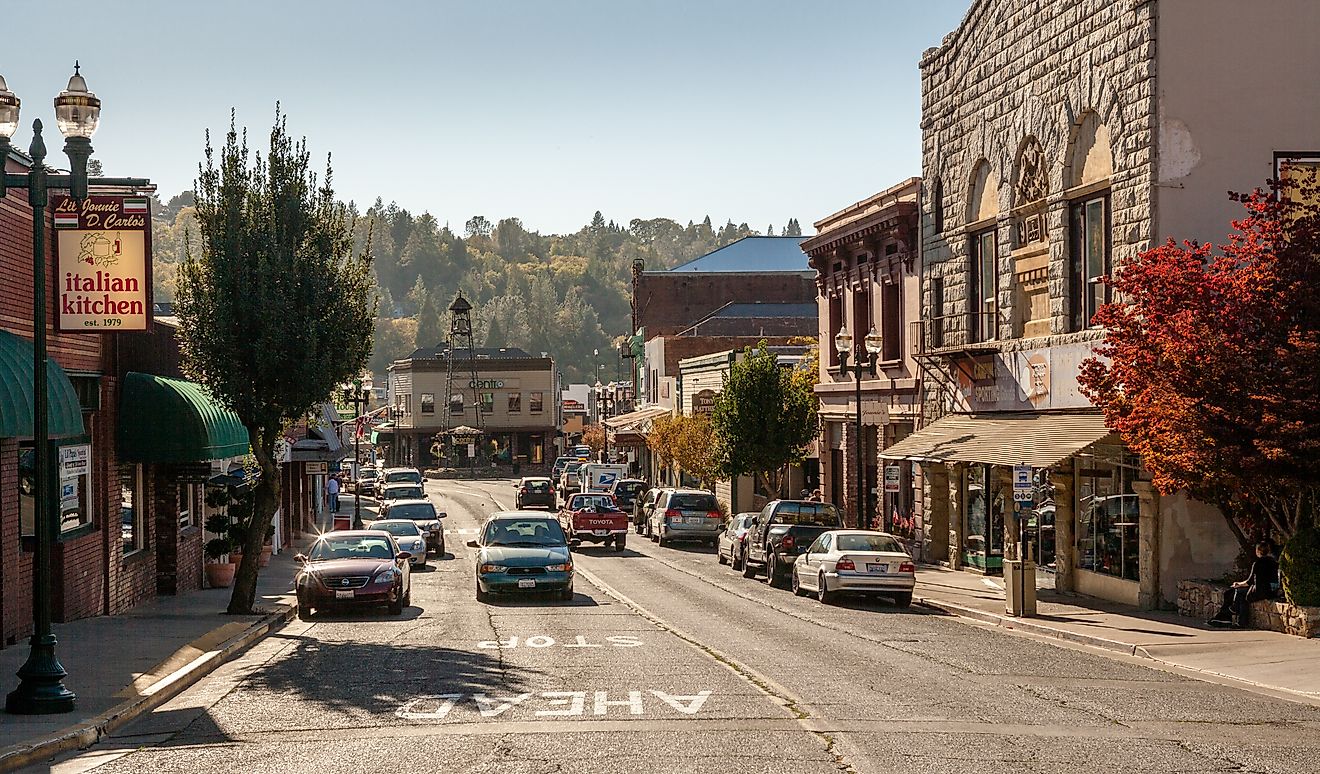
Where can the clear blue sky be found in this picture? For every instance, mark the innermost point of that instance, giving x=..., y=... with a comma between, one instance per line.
x=754, y=110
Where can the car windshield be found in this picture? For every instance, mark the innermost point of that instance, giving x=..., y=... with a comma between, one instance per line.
x=815, y=514
x=538, y=486
x=397, y=528
x=629, y=487
x=414, y=511
x=411, y=476
x=400, y=492
x=523, y=532
x=367, y=473
x=352, y=547
x=594, y=502
x=868, y=543
x=693, y=502
x=574, y=467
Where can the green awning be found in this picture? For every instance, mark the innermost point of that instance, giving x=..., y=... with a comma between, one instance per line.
x=63, y=412
x=175, y=421
x=382, y=432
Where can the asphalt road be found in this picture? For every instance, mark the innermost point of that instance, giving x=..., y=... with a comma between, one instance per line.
x=667, y=661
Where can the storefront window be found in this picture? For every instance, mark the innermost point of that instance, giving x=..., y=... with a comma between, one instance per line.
x=73, y=490
x=515, y=402
x=455, y=405
x=428, y=403
x=132, y=514
x=1108, y=523
x=538, y=453
x=983, y=541
x=487, y=402
x=190, y=505
x=536, y=402
x=1040, y=521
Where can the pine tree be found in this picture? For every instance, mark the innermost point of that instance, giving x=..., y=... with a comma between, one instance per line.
x=793, y=229
x=430, y=323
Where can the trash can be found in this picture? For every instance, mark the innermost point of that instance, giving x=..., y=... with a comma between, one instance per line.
x=1020, y=587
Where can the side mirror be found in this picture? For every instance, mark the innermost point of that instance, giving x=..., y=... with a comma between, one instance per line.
x=300, y=558
x=403, y=556
x=472, y=544
x=442, y=515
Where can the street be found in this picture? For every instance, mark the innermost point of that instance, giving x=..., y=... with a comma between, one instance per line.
x=668, y=661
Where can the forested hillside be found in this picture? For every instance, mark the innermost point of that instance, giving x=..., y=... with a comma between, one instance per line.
x=567, y=295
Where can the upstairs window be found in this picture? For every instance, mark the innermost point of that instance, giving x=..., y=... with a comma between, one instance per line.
x=984, y=287
x=1090, y=259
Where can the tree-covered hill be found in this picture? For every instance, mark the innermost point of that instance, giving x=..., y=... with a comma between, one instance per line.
x=567, y=294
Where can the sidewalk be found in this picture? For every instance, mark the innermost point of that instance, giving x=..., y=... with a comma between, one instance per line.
x=122, y=666
x=1270, y=660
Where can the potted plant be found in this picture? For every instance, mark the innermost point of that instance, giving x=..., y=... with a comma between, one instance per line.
x=219, y=575
x=237, y=536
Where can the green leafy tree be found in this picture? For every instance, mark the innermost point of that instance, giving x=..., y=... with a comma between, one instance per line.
x=763, y=420
x=430, y=323
x=275, y=309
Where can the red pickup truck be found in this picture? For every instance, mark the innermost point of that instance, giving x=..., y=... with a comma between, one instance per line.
x=594, y=518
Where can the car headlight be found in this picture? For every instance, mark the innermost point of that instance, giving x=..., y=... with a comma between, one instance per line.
x=418, y=545
x=387, y=576
x=489, y=568
x=566, y=567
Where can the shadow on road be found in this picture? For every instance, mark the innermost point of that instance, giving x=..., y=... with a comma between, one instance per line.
x=533, y=600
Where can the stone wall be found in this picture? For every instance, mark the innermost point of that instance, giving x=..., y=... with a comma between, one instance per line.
x=1203, y=599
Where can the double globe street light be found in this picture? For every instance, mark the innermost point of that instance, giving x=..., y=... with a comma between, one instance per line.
x=864, y=359
x=604, y=400
x=77, y=111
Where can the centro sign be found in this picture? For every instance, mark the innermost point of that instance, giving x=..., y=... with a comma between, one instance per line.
x=485, y=384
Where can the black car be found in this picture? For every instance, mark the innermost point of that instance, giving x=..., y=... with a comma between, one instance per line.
x=626, y=491
x=534, y=490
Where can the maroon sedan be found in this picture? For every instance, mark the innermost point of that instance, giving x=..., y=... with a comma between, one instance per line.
x=353, y=568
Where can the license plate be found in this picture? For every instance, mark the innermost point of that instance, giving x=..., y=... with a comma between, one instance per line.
x=877, y=568
x=697, y=520
x=526, y=583
x=344, y=594
x=600, y=532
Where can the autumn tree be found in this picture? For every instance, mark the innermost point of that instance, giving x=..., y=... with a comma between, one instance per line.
x=763, y=420
x=594, y=437
x=275, y=308
x=1210, y=366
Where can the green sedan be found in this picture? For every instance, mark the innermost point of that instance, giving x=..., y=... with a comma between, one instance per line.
x=523, y=552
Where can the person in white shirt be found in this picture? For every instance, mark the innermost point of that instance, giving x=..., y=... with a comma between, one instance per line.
x=332, y=493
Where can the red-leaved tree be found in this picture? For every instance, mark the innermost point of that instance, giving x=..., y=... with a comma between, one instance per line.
x=1210, y=366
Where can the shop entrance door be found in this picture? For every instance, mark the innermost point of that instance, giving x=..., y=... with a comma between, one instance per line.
x=986, y=497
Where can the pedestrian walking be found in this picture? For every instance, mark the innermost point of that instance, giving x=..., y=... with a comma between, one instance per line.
x=332, y=493
x=1259, y=584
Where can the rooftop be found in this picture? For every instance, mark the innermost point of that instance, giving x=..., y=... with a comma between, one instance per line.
x=759, y=309
x=752, y=254
x=441, y=351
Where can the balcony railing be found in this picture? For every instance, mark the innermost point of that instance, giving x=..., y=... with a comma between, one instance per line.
x=954, y=333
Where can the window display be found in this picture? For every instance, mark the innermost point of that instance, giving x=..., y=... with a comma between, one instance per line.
x=1108, y=512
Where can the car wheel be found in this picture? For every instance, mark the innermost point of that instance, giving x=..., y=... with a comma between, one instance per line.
x=796, y=583
x=823, y=594
x=440, y=552
x=904, y=599
x=305, y=612
x=748, y=569
x=638, y=527
x=662, y=540
x=719, y=556
x=396, y=608
x=772, y=571
x=736, y=559
x=619, y=544
x=482, y=596
x=566, y=595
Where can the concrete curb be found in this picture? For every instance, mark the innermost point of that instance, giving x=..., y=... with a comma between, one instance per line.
x=1026, y=625
x=83, y=735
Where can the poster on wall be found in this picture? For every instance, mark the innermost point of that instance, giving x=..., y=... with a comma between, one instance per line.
x=103, y=260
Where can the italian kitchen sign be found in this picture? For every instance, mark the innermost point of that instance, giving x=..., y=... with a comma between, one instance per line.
x=103, y=255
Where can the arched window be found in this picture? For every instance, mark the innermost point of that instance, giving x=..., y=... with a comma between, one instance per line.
x=983, y=286
x=937, y=205
x=983, y=201
x=1090, y=166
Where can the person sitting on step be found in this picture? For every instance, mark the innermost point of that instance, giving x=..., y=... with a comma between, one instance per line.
x=1259, y=584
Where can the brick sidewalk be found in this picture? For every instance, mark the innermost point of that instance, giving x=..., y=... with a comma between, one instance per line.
x=1270, y=660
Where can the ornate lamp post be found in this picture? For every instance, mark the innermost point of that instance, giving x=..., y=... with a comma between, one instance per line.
x=355, y=395
x=41, y=688
x=604, y=399
x=863, y=364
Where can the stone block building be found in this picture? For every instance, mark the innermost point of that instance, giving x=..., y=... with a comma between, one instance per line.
x=1059, y=139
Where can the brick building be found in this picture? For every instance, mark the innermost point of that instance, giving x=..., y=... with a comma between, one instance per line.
x=1059, y=139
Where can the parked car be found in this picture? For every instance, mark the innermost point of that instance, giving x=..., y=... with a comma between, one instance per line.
x=732, y=545
x=855, y=562
x=782, y=530
x=601, y=476
x=626, y=491
x=523, y=552
x=594, y=518
x=685, y=514
x=557, y=469
x=582, y=452
x=535, y=491
x=424, y=514
x=366, y=481
x=570, y=481
x=401, y=475
x=404, y=491
x=643, y=506
x=353, y=568
x=407, y=534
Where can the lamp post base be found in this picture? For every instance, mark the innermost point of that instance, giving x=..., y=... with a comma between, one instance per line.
x=41, y=688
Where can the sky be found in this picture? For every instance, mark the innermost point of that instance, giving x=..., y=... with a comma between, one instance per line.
x=751, y=110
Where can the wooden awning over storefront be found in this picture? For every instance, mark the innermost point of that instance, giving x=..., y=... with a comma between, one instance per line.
x=1038, y=439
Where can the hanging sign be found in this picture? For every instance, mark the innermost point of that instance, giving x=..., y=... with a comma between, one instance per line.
x=893, y=477
x=1023, y=486
x=103, y=257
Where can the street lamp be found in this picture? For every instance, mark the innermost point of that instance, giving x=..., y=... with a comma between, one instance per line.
x=41, y=678
x=356, y=395
x=604, y=398
x=863, y=363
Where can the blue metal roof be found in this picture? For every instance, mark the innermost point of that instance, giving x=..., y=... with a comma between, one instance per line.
x=766, y=310
x=753, y=254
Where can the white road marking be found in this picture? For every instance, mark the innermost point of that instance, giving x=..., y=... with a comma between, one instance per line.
x=545, y=641
x=693, y=702
x=463, y=531
x=573, y=701
x=556, y=704
x=492, y=708
x=633, y=702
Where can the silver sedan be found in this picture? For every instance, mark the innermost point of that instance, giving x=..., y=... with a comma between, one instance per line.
x=408, y=535
x=851, y=561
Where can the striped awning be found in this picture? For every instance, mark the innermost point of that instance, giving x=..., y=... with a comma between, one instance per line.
x=631, y=420
x=1038, y=439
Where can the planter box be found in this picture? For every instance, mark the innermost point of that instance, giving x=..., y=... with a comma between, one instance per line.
x=1202, y=599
